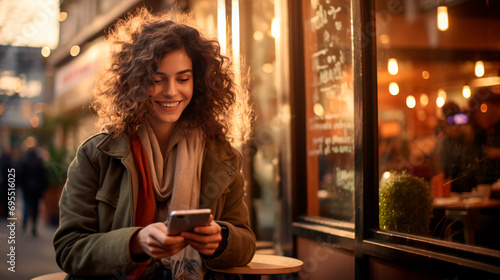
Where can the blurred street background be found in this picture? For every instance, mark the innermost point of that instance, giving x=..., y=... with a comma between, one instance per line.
x=34, y=255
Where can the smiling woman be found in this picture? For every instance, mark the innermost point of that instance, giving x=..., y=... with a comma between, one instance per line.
x=164, y=104
x=32, y=23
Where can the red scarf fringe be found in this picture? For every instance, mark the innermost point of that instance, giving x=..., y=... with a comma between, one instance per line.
x=146, y=203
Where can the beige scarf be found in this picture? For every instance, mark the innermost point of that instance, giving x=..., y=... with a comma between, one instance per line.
x=176, y=181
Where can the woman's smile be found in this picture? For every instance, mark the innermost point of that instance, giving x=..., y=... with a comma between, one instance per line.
x=170, y=106
x=173, y=89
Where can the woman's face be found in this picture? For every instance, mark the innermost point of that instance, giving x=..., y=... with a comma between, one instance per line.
x=173, y=88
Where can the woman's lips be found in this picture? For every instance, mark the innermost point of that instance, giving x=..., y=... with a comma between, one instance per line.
x=169, y=105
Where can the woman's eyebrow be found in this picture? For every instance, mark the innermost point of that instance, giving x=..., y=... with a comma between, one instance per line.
x=178, y=73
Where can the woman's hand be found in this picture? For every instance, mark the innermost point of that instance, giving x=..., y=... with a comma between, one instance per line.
x=205, y=239
x=153, y=241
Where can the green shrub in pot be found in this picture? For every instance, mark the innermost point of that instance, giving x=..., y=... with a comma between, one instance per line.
x=405, y=204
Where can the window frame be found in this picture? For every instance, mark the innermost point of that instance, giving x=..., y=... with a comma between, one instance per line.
x=432, y=255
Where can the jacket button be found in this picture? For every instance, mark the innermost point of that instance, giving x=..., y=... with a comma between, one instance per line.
x=231, y=172
x=106, y=149
x=229, y=154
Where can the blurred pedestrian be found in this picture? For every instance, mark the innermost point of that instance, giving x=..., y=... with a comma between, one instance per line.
x=32, y=177
x=164, y=106
x=6, y=165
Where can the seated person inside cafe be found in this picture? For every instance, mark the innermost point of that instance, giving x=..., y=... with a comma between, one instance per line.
x=163, y=103
x=455, y=149
x=485, y=116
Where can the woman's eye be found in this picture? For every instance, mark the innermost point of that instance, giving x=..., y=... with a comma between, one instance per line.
x=183, y=79
x=158, y=81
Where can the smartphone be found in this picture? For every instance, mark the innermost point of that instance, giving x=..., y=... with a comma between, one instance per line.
x=187, y=220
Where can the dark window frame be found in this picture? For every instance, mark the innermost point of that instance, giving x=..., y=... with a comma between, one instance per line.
x=438, y=257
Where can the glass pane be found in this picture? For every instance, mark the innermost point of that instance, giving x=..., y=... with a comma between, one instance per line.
x=329, y=108
x=439, y=119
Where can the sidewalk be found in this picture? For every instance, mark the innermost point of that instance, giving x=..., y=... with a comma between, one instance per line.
x=34, y=256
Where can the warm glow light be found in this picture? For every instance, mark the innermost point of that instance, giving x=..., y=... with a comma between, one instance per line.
x=425, y=74
x=393, y=88
x=235, y=25
x=440, y=101
x=33, y=23
x=319, y=110
x=442, y=93
x=268, y=68
x=385, y=39
x=63, y=16
x=17, y=87
x=466, y=91
x=392, y=66
x=75, y=50
x=484, y=108
x=479, y=69
x=221, y=24
x=45, y=51
x=424, y=99
x=30, y=142
x=386, y=175
x=442, y=18
x=258, y=36
x=275, y=28
x=35, y=121
x=410, y=101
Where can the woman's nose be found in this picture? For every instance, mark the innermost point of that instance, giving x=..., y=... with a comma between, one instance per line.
x=169, y=88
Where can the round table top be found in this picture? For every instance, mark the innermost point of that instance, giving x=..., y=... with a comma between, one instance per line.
x=51, y=276
x=469, y=203
x=266, y=264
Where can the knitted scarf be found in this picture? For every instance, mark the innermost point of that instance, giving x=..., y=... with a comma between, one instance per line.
x=175, y=179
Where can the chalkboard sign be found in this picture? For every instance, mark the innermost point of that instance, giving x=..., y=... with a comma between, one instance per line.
x=328, y=46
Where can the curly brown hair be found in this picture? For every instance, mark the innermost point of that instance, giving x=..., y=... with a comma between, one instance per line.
x=137, y=45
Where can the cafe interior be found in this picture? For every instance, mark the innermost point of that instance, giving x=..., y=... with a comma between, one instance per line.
x=438, y=84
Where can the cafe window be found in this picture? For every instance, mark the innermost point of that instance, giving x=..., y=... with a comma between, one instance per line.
x=438, y=66
x=329, y=101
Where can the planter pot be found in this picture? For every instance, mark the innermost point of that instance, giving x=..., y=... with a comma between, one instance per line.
x=50, y=211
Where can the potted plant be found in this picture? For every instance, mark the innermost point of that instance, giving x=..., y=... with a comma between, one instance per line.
x=57, y=167
x=405, y=204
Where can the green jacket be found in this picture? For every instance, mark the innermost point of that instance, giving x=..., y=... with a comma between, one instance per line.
x=98, y=204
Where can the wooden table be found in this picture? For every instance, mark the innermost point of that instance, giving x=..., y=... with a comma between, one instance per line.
x=265, y=265
x=260, y=265
x=52, y=276
x=465, y=204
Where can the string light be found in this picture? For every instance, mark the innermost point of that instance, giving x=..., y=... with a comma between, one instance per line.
x=75, y=50
x=45, y=51
x=442, y=18
x=410, y=101
x=392, y=66
x=466, y=92
x=424, y=99
x=479, y=69
x=394, y=88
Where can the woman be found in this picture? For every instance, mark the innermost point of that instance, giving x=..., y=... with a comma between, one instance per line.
x=164, y=104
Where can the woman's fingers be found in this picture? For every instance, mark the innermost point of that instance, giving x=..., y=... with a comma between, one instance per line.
x=205, y=239
x=153, y=241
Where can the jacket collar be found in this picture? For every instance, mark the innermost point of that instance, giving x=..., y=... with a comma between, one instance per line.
x=116, y=147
